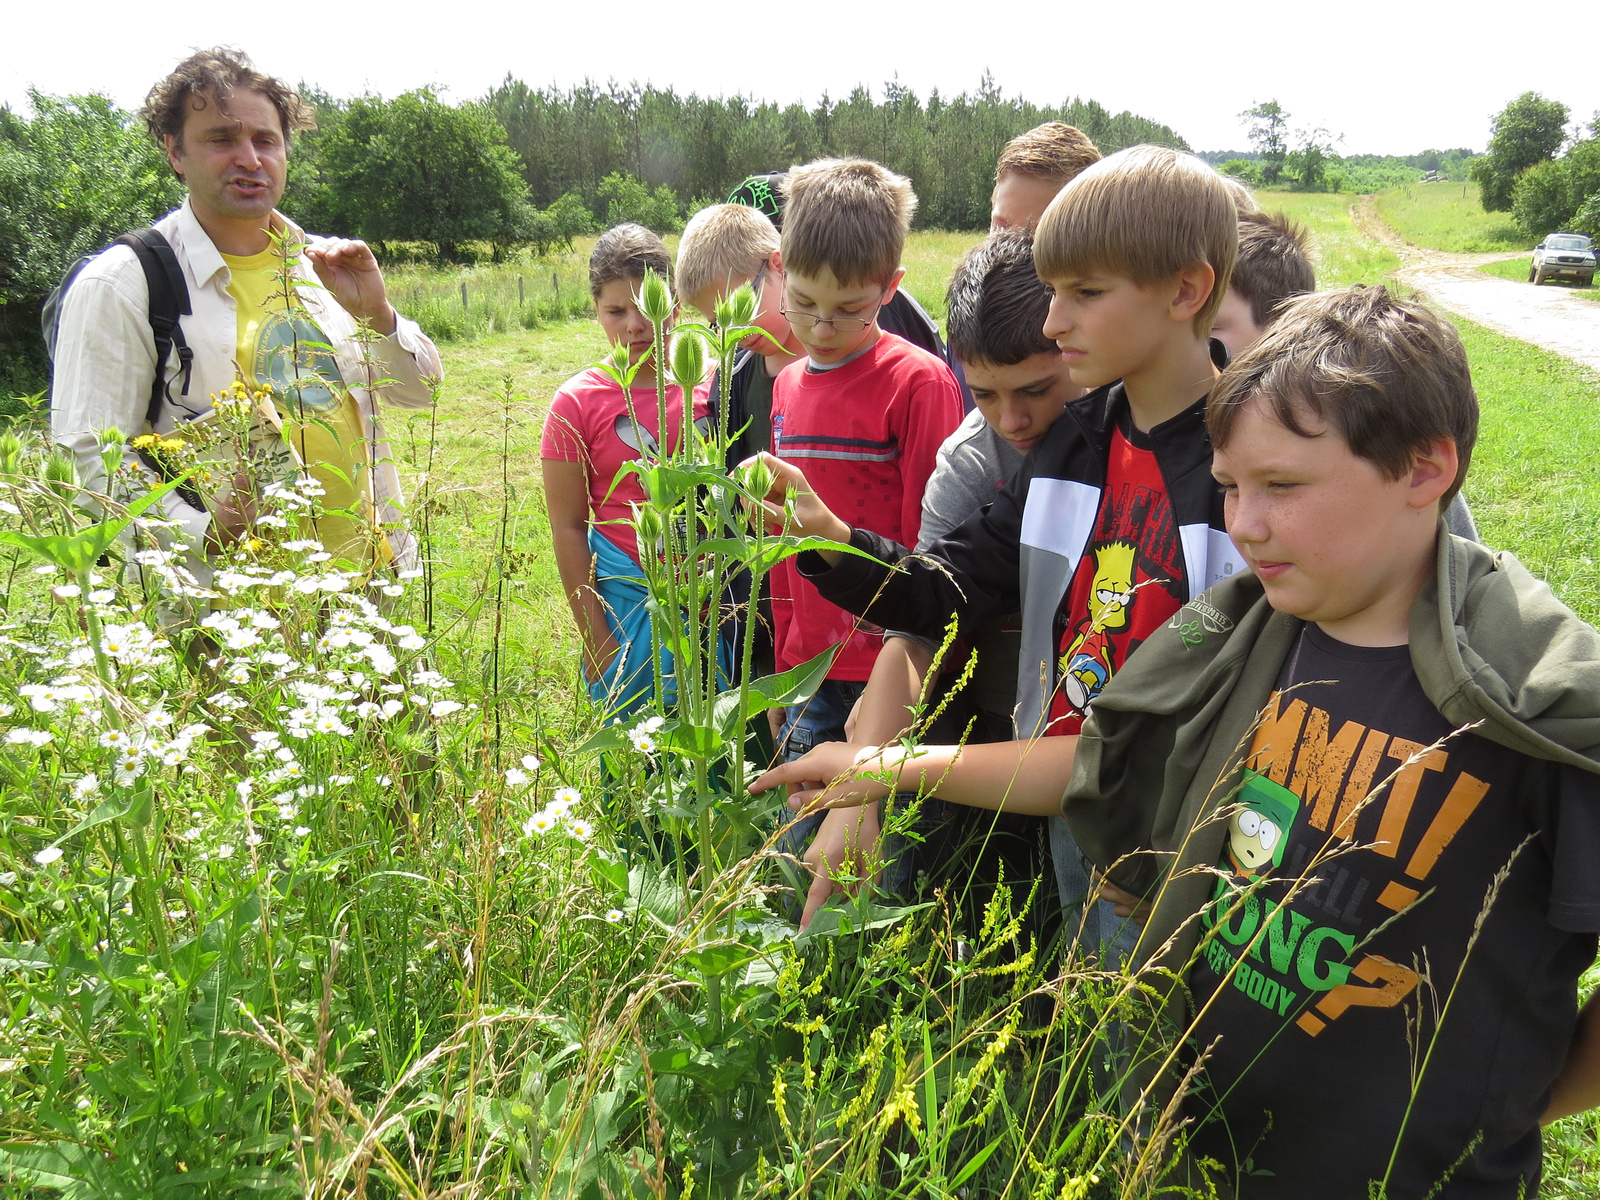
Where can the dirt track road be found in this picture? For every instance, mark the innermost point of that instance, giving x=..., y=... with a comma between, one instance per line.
x=1546, y=316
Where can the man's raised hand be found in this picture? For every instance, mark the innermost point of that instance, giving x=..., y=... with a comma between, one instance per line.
x=350, y=272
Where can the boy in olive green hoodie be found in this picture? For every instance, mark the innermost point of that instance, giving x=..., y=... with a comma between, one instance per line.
x=1359, y=787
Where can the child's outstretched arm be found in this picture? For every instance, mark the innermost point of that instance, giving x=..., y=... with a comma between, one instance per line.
x=566, y=497
x=848, y=841
x=1577, y=1088
x=1019, y=777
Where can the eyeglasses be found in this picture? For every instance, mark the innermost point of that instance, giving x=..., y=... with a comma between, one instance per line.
x=807, y=320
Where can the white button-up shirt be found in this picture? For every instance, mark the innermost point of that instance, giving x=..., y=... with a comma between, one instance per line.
x=105, y=362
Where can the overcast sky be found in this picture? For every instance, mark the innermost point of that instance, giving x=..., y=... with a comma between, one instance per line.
x=1393, y=77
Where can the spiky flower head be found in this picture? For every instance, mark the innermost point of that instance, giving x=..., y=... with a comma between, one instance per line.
x=655, y=298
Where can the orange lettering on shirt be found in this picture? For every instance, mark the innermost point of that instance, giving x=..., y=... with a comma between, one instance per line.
x=1465, y=795
x=1394, y=982
x=1277, y=735
x=1319, y=768
x=1403, y=791
x=1356, y=791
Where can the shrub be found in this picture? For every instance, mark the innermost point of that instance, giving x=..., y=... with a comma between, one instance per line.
x=629, y=200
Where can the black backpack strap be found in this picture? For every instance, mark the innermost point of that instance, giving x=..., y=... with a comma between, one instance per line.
x=169, y=300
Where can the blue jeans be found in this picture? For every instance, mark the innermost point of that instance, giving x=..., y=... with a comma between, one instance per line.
x=820, y=719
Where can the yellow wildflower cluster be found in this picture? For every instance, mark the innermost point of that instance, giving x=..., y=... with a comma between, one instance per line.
x=158, y=443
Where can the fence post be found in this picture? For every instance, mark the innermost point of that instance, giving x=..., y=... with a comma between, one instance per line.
x=555, y=282
x=522, y=296
x=463, y=297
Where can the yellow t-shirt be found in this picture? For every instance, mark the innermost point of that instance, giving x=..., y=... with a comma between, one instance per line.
x=290, y=356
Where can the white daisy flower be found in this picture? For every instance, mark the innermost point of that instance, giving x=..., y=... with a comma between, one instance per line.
x=47, y=856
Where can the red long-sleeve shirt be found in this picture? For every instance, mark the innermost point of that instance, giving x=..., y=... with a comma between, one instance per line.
x=867, y=435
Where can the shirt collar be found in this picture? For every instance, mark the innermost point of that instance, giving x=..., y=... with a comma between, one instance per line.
x=200, y=254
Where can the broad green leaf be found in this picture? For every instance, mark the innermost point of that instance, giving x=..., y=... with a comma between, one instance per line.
x=794, y=686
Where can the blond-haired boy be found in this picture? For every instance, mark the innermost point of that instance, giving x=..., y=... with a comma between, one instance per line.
x=1113, y=521
x=865, y=410
x=1032, y=168
x=723, y=248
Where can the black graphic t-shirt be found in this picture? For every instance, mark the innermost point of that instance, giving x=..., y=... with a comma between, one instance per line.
x=1367, y=840
x=1128, y=583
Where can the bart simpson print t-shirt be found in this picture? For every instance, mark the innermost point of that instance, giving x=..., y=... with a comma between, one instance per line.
x=1128, y=583
x=1341, y=946
x=285, y=352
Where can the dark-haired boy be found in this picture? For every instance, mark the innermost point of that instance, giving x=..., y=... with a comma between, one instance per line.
x=1370, y=765
x=995, y=314
x=1112, y=523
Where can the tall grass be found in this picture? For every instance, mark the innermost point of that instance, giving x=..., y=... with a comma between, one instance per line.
x=1448, y=216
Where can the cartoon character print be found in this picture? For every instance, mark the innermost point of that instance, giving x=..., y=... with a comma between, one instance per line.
x=1091, y=658
x=640, y=440
x=1259, y=830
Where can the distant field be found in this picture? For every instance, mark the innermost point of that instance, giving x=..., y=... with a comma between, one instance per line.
x=1448, y=216
x=1341, y=254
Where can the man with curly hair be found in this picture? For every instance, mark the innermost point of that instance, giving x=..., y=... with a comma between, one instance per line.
x=280, y=312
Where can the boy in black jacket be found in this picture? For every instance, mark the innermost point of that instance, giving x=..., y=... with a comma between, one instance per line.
x=1112, y=524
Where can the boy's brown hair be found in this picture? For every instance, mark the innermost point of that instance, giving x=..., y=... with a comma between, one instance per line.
x=848, y=216
x=721, y=243
x=996, y=307
x=1388, y=374
x=1273, y=264
x=625, y=252
x=1052, y=151
x=1146, y=213
x=209, y=77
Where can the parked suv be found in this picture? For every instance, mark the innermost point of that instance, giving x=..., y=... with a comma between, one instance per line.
x=1563, y=256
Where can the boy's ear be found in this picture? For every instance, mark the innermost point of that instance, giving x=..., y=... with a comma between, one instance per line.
x=1433, y=471
x=775, y=262
x=894, y=285
x=1193, y=286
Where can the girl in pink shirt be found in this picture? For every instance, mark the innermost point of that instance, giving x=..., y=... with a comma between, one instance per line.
x=592, y=429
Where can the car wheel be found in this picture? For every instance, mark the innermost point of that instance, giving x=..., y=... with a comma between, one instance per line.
x=1538, y=277
x=1586, y=280
x=1530, y=274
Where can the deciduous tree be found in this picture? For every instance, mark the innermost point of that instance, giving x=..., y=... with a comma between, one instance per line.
x=1529, y=130
x=417, y=169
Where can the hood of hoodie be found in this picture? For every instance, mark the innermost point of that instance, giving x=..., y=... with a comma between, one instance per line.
x=1491, y=643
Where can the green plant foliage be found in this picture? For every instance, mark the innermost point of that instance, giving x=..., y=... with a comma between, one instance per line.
x=1529, y=130
x=73, y=175
x=1548, y=195
x=1269, y=134
x=571, y=139
x=417, y=169
x=628, y=200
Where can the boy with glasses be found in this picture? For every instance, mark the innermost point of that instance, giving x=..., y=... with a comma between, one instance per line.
x=865, y=412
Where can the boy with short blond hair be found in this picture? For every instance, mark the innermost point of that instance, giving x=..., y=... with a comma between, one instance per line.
x=723, y=248
x=1113, y=521
x=866, y=410
x=1371, y=765
x=1032, y=168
